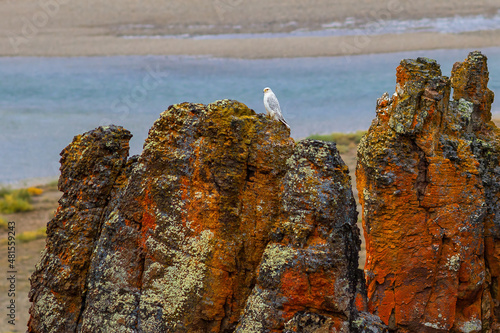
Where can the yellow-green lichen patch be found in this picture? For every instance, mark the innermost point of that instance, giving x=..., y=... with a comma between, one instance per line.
x=256, y=313
x=275, y=258
x=297, y=225
x=121, y=306
x=180, y=282
x=227, y=107
x=303, y=178
x=465, y=108
x=473, y=325
x=453, y=263
x=49, y=310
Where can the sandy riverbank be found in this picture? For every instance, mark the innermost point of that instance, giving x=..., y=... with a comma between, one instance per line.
x=87, y=28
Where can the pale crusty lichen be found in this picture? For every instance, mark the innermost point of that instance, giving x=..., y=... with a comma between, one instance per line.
x=112, y=301
x=297, y=225
x=465, y=108
x=453, y=263
x=302, y=177
x=318, y=153
x=473, y=325
x=436, y=326
x=276, y=256
x=138, y=167
x=121, y=307
x=171, y=292
x=256, y=313
x=49, y=310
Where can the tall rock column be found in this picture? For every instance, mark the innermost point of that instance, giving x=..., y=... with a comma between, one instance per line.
x=91, y=167
x=469, y=81
x=425, y=176
x=180, y=248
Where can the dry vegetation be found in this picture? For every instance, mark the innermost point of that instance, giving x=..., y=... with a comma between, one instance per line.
x=30, y=240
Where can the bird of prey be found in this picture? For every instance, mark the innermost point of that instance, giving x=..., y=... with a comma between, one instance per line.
x=273, y=106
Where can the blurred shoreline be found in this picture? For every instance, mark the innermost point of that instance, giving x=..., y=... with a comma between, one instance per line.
x=258, y=48
x=59, y=28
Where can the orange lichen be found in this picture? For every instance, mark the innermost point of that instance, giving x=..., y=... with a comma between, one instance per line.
x=402, y=75
x=420, y=179
x=148, y=219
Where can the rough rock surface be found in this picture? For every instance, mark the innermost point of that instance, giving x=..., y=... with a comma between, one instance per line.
x=428, y=180
x=90, y=166
x=219, y=209
x=308, y=275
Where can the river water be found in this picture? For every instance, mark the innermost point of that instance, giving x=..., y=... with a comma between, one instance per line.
x=44, y=102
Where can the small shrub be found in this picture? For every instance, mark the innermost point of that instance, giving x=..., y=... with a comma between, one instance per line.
x=4, y=191
x=3, y=224
x=14, y=201
x=10, y=204
x=34, y=191
x=22, y=194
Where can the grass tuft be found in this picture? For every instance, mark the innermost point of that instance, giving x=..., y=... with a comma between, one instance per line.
x=34, y=191
x=28, y=236
x=14, y=201
x=3, y=224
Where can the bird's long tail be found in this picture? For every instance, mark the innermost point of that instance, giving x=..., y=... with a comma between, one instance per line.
x=284, y=122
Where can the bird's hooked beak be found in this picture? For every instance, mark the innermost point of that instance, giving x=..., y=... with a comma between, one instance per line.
x=266, y=90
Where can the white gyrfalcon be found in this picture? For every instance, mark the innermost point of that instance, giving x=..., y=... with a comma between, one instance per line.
x=273, y=106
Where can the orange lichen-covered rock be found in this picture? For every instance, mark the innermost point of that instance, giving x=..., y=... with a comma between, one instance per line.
x=308, y=276
x=180, y=249
x=220, y=201
x=90, y=166
x=425, y=176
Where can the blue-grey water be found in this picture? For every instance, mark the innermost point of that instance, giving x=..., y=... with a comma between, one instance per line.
x=44, y=102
